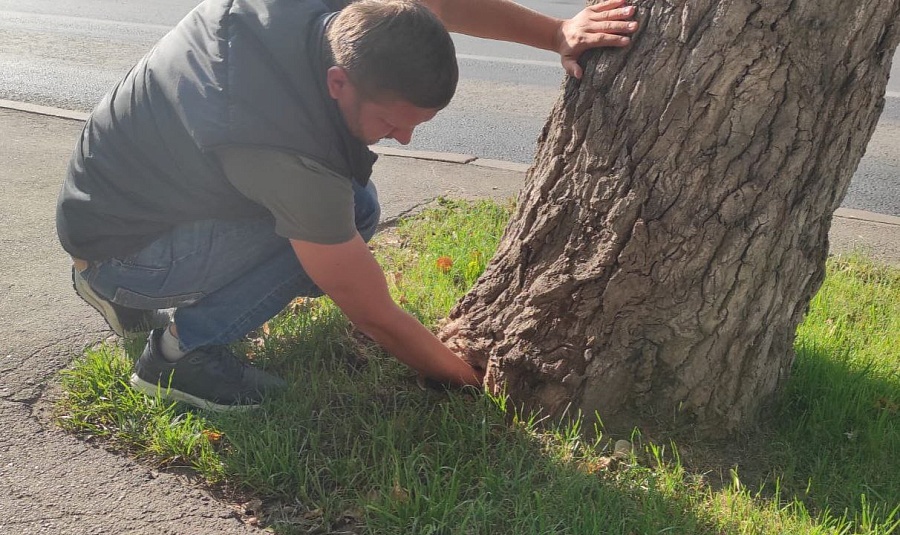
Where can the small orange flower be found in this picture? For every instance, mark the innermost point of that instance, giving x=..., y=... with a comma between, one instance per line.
x=214, y=437
x=444, y=264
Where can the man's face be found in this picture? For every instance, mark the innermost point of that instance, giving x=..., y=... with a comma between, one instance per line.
x=372, y=121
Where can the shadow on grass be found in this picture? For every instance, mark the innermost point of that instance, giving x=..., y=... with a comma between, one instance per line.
x=837, y=441
x=831, y=443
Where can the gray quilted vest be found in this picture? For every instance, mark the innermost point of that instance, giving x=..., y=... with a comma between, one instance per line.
x=233, y=72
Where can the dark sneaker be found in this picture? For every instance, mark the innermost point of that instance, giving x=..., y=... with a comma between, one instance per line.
x=123, y=321
x=210, y=377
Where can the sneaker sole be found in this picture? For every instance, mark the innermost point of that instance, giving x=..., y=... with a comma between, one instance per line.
x=87, y=295
x=155, y=390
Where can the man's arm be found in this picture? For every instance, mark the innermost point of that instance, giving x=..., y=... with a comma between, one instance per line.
x=607, y=23
x=350, y=275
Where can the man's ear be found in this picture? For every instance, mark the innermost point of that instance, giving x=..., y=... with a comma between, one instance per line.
x=338, y=82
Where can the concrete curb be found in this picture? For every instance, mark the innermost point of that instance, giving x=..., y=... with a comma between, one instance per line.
x=446, y=157
x=871, y=217
x=44, y=110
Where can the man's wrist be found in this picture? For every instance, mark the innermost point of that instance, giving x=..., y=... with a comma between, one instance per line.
x=558, y=37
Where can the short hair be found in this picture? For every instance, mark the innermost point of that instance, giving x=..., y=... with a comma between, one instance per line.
x=395, y=49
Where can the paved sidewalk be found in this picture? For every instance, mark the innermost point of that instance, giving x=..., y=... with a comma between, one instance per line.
x=51, y=482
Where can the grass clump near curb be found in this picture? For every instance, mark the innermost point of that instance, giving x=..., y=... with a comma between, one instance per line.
x=355, y=447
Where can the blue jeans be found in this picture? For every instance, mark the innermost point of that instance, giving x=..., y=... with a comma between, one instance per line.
x=224, y=278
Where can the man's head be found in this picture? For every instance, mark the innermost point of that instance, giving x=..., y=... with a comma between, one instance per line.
x=393, y=67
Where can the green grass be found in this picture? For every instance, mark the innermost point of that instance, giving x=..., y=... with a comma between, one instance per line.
x=355, y=446
x=839, y=424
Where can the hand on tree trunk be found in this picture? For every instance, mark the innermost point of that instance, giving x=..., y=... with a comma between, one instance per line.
x=607, y=23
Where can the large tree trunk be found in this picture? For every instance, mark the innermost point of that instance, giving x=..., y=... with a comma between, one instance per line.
x=674, y=225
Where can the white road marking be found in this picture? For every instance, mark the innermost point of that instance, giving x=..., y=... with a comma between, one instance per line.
x=14, y=17
x=514, y=61
x=67, y=20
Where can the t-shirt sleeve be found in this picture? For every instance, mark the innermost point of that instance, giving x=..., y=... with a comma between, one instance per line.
x=309, y=202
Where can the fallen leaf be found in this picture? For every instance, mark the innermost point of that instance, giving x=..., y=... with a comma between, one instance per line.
x=597, y=465
x=622, y=450
x=886, y=404
x=354, y=513
x=399, y=493
x=253, y=507
x=297, y=305
x=311, y=515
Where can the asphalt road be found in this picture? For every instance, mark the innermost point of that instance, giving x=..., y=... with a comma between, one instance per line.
x=68, y=53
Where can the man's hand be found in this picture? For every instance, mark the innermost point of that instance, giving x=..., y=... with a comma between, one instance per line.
x=608, y=23
x=453, y=335
x=351, y=276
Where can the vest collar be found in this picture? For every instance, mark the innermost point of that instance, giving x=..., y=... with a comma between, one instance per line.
x=356, y=153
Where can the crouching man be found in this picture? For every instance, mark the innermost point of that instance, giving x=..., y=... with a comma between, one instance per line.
x=228, y=173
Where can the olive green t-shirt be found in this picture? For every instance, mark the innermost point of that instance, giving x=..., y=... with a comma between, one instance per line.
x=309, y=202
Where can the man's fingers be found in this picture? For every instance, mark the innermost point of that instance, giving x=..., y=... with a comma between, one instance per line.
x=622, y=13
x=606, y=5
x=606, y=24
x=608, y=39
x=621, y=28
x=572, y=67
x=594, y=40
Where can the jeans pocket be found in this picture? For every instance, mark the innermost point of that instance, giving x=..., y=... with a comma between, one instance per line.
x=131, y=263
x=132, y=299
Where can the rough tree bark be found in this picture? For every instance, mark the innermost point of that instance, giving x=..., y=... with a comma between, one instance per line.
x=674, y=224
